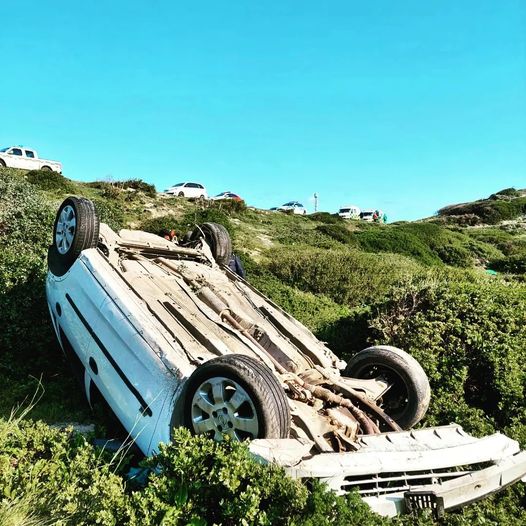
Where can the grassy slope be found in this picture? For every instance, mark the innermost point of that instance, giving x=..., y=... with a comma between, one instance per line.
x=419, y=285
x=275, y=247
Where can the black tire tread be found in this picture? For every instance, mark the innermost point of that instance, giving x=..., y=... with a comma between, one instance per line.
x=258, y=380
x=86, y=235
x=408, y=368
x=218, y=238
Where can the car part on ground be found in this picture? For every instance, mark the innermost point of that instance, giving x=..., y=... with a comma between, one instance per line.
x=169, y=336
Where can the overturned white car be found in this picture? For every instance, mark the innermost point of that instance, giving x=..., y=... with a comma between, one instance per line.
x=169, y=336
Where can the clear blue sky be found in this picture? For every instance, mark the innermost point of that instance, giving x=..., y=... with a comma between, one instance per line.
x=407, y=105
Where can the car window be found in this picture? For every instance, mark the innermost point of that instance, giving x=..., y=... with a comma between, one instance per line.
x=290, y=203
x=179, y=184
x=16, y=151
x=191, y=185
x=199, y=186
x=30, y=154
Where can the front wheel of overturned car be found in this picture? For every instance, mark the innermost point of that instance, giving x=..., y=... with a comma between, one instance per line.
x=407, y=395
x=218, y=239
x=238, y=396
x=76, y=228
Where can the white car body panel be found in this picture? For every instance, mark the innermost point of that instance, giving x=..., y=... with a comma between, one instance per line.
x=25, y=162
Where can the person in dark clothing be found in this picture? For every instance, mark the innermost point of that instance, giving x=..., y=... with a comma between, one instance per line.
x=235, y=265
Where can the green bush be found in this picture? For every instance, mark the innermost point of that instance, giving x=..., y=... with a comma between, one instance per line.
x=228, y=206
x=429, y=243
x=50, y=181
x=514, y=264
x=137, y=184
x=489, y=211
x=509, y=192
x=62, y=476
x=470, y=337
x=325, y=217
x=348, y=277
x=337, y=231
x=110, y=212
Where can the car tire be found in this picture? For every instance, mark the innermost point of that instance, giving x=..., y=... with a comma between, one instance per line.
x=218, y=239
x=407, y=399
x=46, y=168
x=236, y=395
x=180, y=194
x=78, y=217
x=2, y=163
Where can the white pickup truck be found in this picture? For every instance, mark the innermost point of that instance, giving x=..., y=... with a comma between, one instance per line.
x=27, y=159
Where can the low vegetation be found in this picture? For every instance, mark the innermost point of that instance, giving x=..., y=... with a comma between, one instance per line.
x=420, y=286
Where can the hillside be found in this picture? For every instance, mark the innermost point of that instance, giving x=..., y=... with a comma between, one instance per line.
x=422, y=286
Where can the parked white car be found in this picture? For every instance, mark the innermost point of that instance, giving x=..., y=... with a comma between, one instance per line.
x=169, y=336
x=26, y=159
x=188, y=189
x=292, y=207
x=349, y=212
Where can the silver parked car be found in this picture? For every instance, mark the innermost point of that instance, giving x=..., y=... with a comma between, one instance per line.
x=169, y=336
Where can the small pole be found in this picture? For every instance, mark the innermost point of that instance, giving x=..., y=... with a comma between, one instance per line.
x=315, y=201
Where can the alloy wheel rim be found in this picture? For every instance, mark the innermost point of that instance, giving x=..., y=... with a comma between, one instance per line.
x=221, y=406
x=66, y=227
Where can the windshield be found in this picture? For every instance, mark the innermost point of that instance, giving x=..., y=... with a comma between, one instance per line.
x=344, y=210
x=179, y=184
x=5, y=149
x=291, y=203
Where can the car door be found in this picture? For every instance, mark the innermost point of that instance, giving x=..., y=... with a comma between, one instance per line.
x=192, y=190
x=16, y=158
x=127, y=373
x=30, y=159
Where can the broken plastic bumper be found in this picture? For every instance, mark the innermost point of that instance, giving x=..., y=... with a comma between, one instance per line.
x=439, y=468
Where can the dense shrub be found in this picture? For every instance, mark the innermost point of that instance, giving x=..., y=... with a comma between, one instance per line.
x=62, y=476
x=509, y=192
x=514, y=264
x=347, y=276
x=192, y=481
x=137, y=184
x=470, y=337
x=228, y=206
x=50, y=181
x=325, y=217
x=338, y=232
x=187, y=222
x=429, y=243
x=110, y=212
x=490, y=211
x=110, y=189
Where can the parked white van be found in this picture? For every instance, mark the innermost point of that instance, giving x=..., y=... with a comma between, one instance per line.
x=349, y=212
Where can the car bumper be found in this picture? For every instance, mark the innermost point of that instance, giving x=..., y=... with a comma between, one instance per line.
x=440, y=468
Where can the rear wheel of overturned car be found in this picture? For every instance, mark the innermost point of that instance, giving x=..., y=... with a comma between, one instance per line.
x=407, y=395
x=238, y=396
x=76, y=228
x=218, y=239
